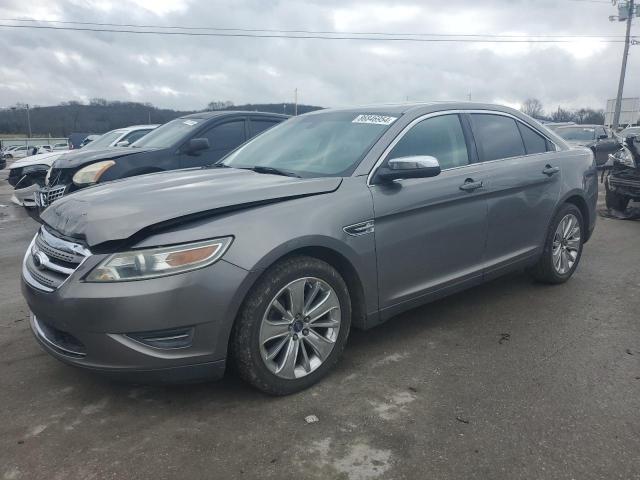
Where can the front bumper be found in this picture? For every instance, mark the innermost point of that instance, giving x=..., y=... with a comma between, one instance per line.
x=625, y=182
x=25, y=197
x=98, y=326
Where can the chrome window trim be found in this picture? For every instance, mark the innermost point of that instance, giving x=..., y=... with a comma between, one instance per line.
x=414, y=122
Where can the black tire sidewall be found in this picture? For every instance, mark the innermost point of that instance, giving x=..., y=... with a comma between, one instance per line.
x=246, y=349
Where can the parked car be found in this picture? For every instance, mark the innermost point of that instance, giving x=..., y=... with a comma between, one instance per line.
x=88, y=139
x=18, y=151
x=332, y=219
x=628, y=132
x=193, y=140
x=60, y=146
x=28, y=175
x=3, y=163
x=622, y=182
x=555, y=125
x=598, y=138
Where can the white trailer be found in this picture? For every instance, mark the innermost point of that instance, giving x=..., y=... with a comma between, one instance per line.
x=629, y=112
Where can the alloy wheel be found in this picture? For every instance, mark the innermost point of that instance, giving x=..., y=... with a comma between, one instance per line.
x=566, y=244
x=300, y=327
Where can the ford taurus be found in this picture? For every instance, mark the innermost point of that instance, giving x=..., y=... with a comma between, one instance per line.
x=331, y=220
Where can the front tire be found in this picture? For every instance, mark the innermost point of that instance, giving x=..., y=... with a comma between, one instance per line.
x=562, y=247
x=292, y=326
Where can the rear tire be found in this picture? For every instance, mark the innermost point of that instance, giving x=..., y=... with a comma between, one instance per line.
x=614, y=200
x=281, y=343
x=562, y=246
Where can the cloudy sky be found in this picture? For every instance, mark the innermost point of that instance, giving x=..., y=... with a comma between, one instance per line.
x=46, y=67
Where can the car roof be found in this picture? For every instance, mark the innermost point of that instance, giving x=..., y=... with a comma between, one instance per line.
x=223, y=113
x=420, y=108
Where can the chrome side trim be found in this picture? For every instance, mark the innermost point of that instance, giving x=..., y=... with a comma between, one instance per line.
x=361, y=228
x=404, y=131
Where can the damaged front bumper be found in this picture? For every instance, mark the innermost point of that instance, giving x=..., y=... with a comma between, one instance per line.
x=625, y=181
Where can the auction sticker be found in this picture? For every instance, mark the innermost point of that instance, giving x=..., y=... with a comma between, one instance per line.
x=375, y=119
x=191, y=123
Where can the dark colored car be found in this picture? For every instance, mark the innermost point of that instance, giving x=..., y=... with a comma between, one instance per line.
x=622, y=183
x=333, y=219
x=190, y=141
x=598, y=138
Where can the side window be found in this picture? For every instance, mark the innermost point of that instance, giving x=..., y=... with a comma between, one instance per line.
x=133, y=136
x=600, y=132
x=226, y=136
x=441, y=137
x=259, y=126
x=533, y=141
x=498, y=137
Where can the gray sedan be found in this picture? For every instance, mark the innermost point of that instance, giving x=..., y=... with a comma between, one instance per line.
x=331, y=220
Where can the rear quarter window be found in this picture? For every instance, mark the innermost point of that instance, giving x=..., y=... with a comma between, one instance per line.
x=497, y=136
x=533, y=141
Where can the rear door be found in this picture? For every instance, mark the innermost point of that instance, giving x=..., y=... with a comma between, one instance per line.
x=260, y=124
x=523, y=185
x=223, y=137
x=430, y=232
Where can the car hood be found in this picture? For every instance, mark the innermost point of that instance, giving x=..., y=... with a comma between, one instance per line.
x=79, y=158
x=40, y=159
x=118, y=210
x=580, y=143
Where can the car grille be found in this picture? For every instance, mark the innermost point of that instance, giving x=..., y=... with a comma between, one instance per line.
x=50, y=260
x=46, y=196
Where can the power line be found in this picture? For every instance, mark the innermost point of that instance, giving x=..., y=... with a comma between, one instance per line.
x=310, y=32
x=302, y=36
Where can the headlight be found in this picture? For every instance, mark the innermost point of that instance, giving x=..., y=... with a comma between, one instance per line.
x=159, y=262
x=92, y=173
x=34, y=169
x=625, y=157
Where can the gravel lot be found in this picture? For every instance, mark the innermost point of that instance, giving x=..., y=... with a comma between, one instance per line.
x=508, y=380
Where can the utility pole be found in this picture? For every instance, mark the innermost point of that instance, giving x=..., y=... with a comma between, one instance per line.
x=295, y=102
x=28, y=122
x=630, y=11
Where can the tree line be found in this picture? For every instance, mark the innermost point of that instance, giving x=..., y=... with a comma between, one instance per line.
x=534, y=108
x=100, y=115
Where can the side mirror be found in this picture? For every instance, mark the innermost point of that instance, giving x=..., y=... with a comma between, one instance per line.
x=124, y=143
x=603, y=136
x=196, y=145
x=420, y=166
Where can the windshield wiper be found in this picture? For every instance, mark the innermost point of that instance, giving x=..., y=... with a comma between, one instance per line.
x=273, y=171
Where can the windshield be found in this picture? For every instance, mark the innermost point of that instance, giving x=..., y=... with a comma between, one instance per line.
x=323, y=144
x=577, y=133
x=168, y=134
x=104, y=141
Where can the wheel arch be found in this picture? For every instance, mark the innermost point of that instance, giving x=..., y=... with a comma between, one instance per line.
x=576, y=197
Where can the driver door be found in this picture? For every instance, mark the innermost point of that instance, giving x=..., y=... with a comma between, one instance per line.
x=222, y=138
x=431, y=232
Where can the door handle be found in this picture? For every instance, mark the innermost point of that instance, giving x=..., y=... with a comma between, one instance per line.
x=549, y=170
x=470, y=185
